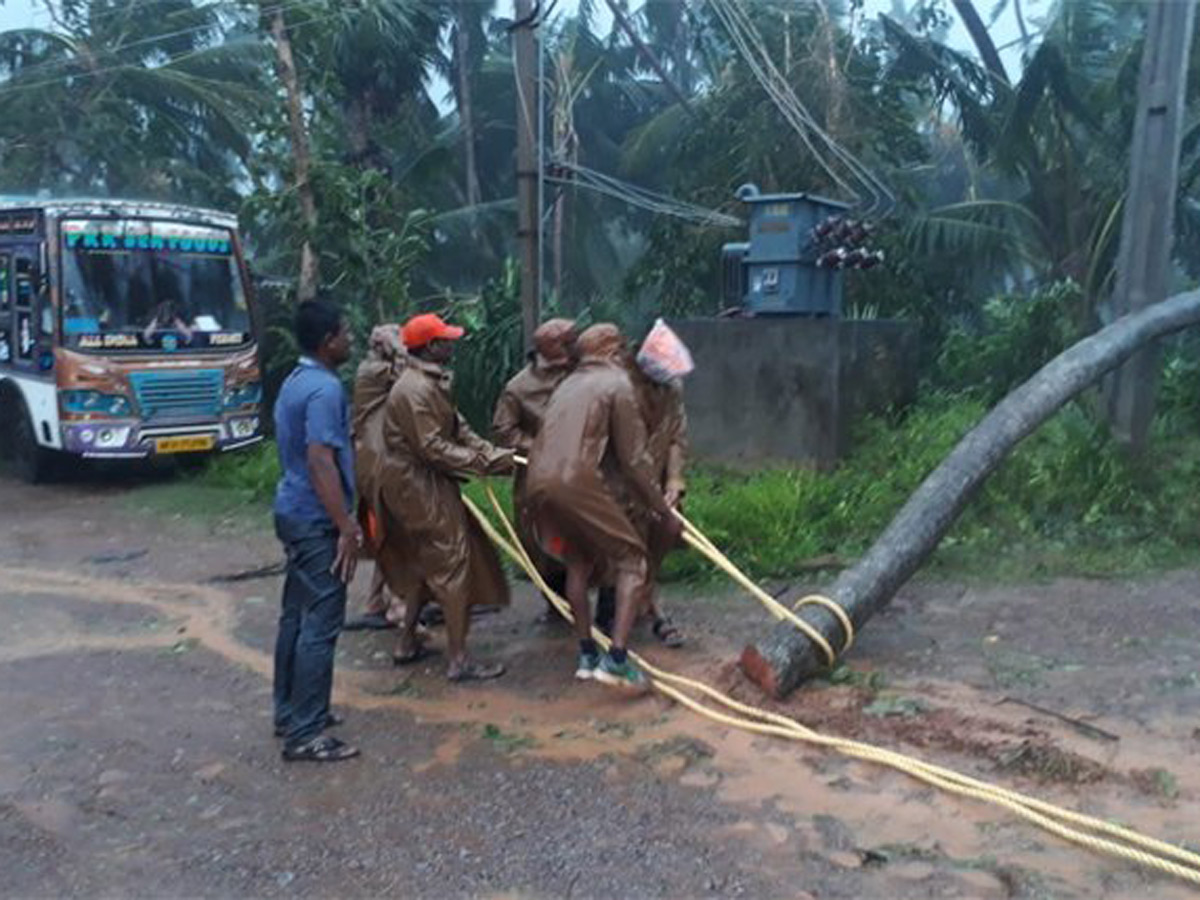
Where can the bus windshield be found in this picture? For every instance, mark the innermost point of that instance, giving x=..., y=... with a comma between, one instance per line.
x=131, y=284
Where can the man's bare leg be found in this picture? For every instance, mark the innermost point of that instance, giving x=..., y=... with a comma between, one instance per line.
x=579, y=574
x=408, y=645
x=377, y=601
x=661, y=625
x=462, y=667
x=629, y=596
x=616, y=669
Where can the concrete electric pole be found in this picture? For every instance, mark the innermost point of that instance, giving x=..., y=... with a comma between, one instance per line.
x=1147, y=230
x=528, y=214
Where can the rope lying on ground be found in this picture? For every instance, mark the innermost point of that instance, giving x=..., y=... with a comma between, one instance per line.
x=1120, y=842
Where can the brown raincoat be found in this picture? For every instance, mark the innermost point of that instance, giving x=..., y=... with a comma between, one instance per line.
x=666, y=431
x=372, y=383
x=666, y=445
x=438, y=549
x=517, y=421
x=593, y=434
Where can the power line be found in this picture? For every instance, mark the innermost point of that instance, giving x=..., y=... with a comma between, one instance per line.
x=749, y=44
x=116, y=51
x=641, y=197
x=169, y=60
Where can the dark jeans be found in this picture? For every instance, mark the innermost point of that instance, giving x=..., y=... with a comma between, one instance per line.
x=312, y=614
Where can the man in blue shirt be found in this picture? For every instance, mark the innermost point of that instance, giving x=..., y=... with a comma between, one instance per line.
x=322, y=539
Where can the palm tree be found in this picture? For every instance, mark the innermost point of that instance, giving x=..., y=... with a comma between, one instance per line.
x=468, y=41
x=380, y=51
x=145, y=96
x=289, y=76
x=1052, y=148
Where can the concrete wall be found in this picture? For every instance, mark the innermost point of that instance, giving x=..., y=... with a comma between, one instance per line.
x=879, y=366
x=787, y=389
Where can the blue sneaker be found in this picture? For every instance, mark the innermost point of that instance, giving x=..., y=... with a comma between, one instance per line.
x=625, y=676
x=588, y=664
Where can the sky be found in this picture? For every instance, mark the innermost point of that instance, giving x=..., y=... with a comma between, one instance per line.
x=27, y=13
x=24, y=13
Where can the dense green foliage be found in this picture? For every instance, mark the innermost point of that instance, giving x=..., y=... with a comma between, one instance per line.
x=1003, y=186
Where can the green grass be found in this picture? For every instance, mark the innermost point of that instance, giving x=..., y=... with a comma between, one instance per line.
x=202, y=507
x=1067, y=502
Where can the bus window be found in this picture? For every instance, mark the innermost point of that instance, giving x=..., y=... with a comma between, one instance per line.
x=130, y=284
x=33, y=319
x=25, y=282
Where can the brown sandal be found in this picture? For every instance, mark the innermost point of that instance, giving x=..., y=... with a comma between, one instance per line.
x=412, y=656
x=475, y=671
x=666, y=632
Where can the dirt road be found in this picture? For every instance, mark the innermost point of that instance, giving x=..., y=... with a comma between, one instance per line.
x=137, y=756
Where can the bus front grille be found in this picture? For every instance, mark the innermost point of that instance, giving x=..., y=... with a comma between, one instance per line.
x=178, y=395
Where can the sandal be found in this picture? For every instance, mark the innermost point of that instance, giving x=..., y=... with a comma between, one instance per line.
x=667, y=633
x=412, y=656
x=320, y=749
x=332, y=720
x=475, y=671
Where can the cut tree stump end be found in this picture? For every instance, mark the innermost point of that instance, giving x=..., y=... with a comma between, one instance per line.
x=758, y=670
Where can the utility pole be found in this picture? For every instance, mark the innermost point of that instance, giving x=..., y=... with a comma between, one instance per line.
x=528, y=214
x=1147, y=229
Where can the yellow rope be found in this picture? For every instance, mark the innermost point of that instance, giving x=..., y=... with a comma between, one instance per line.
x=1146, y=851
x=695, y=538
x=838, y=612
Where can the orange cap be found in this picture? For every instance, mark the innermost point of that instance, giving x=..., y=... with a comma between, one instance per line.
x=420, y=330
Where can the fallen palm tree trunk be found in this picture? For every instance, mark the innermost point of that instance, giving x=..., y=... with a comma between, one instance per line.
x=785, y=656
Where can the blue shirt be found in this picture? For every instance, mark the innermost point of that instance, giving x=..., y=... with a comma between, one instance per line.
x=311, y=409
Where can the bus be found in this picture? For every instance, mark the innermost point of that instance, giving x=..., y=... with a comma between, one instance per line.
x=126, y=331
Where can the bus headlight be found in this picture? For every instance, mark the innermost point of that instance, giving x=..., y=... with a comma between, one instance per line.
x=243, y=395
x=111, y=438
x=243, y=428
x=96, y=403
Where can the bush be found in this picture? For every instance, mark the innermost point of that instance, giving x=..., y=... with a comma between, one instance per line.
x=1016, y=336
x=492, y=351
x=1179, y=391
x=1067, y=500
x=253, y=472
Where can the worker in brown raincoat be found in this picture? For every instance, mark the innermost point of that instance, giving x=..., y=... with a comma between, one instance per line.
x=516, y=423
x=439, y=552
x=660, y=396
x=372, y=383
x=593, y=434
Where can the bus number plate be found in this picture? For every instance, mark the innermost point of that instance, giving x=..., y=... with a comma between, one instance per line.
x=193, y=443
